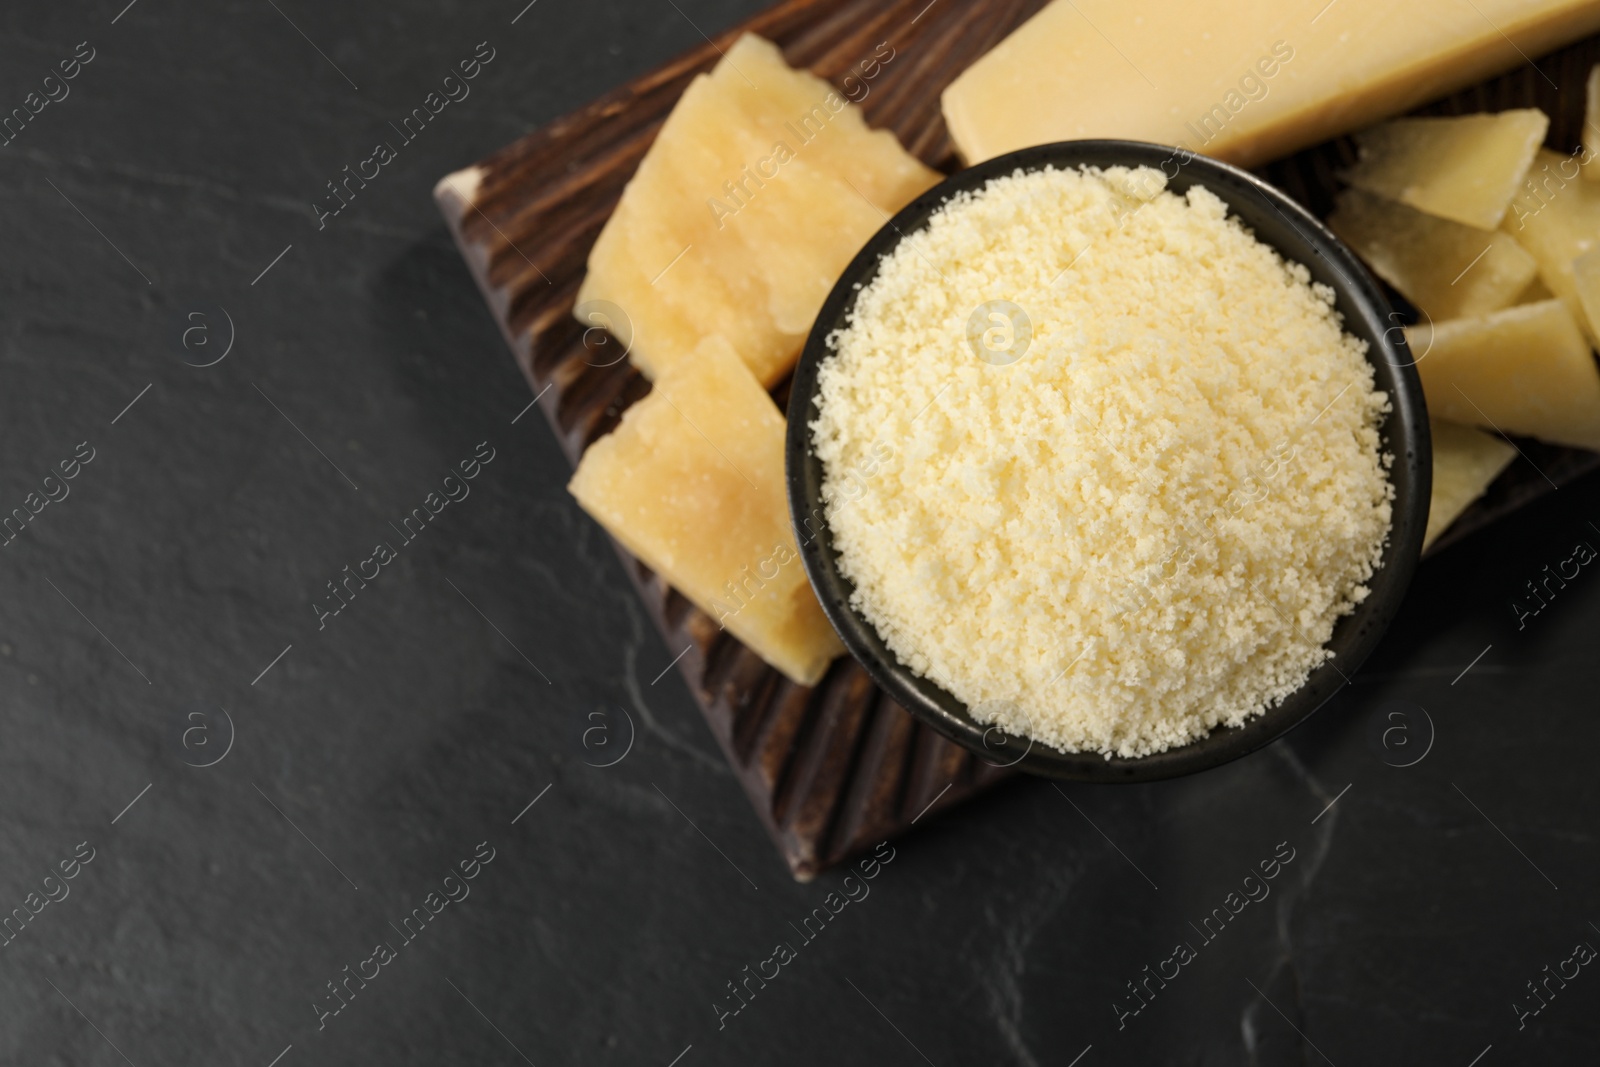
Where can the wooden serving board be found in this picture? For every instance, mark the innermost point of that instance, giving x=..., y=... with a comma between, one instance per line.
x=836, y=768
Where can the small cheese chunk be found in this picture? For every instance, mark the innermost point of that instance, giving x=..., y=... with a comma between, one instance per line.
x=760, y=187
x=1466, y=169
x=1445, y=268
x=1245, y=81
x=692, y=483
x=1524, y=370
x=1586, y=278
x=1556, y=217
x=1591, y=126
x=1465, y=461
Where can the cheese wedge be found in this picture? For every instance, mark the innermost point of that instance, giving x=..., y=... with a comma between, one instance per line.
x=760, y=187
x=1465, y=461
x=1591, y=125
x=692, y=483
x=1446, y=269
x=1525, y=370
x=1556, y=217
x=1466, y=169
x=1245, y=81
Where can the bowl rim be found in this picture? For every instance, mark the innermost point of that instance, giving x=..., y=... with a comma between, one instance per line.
x=1367, y=314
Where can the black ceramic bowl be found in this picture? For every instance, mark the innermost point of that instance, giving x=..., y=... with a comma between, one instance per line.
x=1277, y=221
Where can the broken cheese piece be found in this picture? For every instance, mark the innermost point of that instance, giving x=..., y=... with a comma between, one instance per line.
x=1465, y=461
x=1466, y=168
x=1556, y=217
x=1245, y=81
x=761, y=186
x=1586, y=279
x=1591, y=125
x=1523, y=370
x=692, y=483
x=1446, y=269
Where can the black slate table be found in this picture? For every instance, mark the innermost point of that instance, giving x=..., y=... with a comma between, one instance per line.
x=274, y=795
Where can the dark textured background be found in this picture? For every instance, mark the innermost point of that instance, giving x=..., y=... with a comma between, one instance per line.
x=458, y=686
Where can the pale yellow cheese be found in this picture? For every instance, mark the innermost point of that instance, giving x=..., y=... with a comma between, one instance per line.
x=1465, y=168
x=1143, y=526
x=1445, y=268
x=1525, y=370
x=692, y=483
x=1465, y=461
x=1591, y=126
x=1556, y=217
x=1586, y=279
x=1241, y=80
x=760, y=187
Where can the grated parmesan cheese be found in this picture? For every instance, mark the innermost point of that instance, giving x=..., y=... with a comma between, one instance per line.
x=1131, y=503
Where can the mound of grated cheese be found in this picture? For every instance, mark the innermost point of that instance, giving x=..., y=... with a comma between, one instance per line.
x=1148, y=523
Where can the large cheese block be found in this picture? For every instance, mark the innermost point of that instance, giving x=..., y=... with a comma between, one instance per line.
x=1525, y=370
x=1556, y=217
x=760, y=187
x=1241, y=80
x=1465, y=461
x=1445, y=268
x=1465, y=168
x=692, y=483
